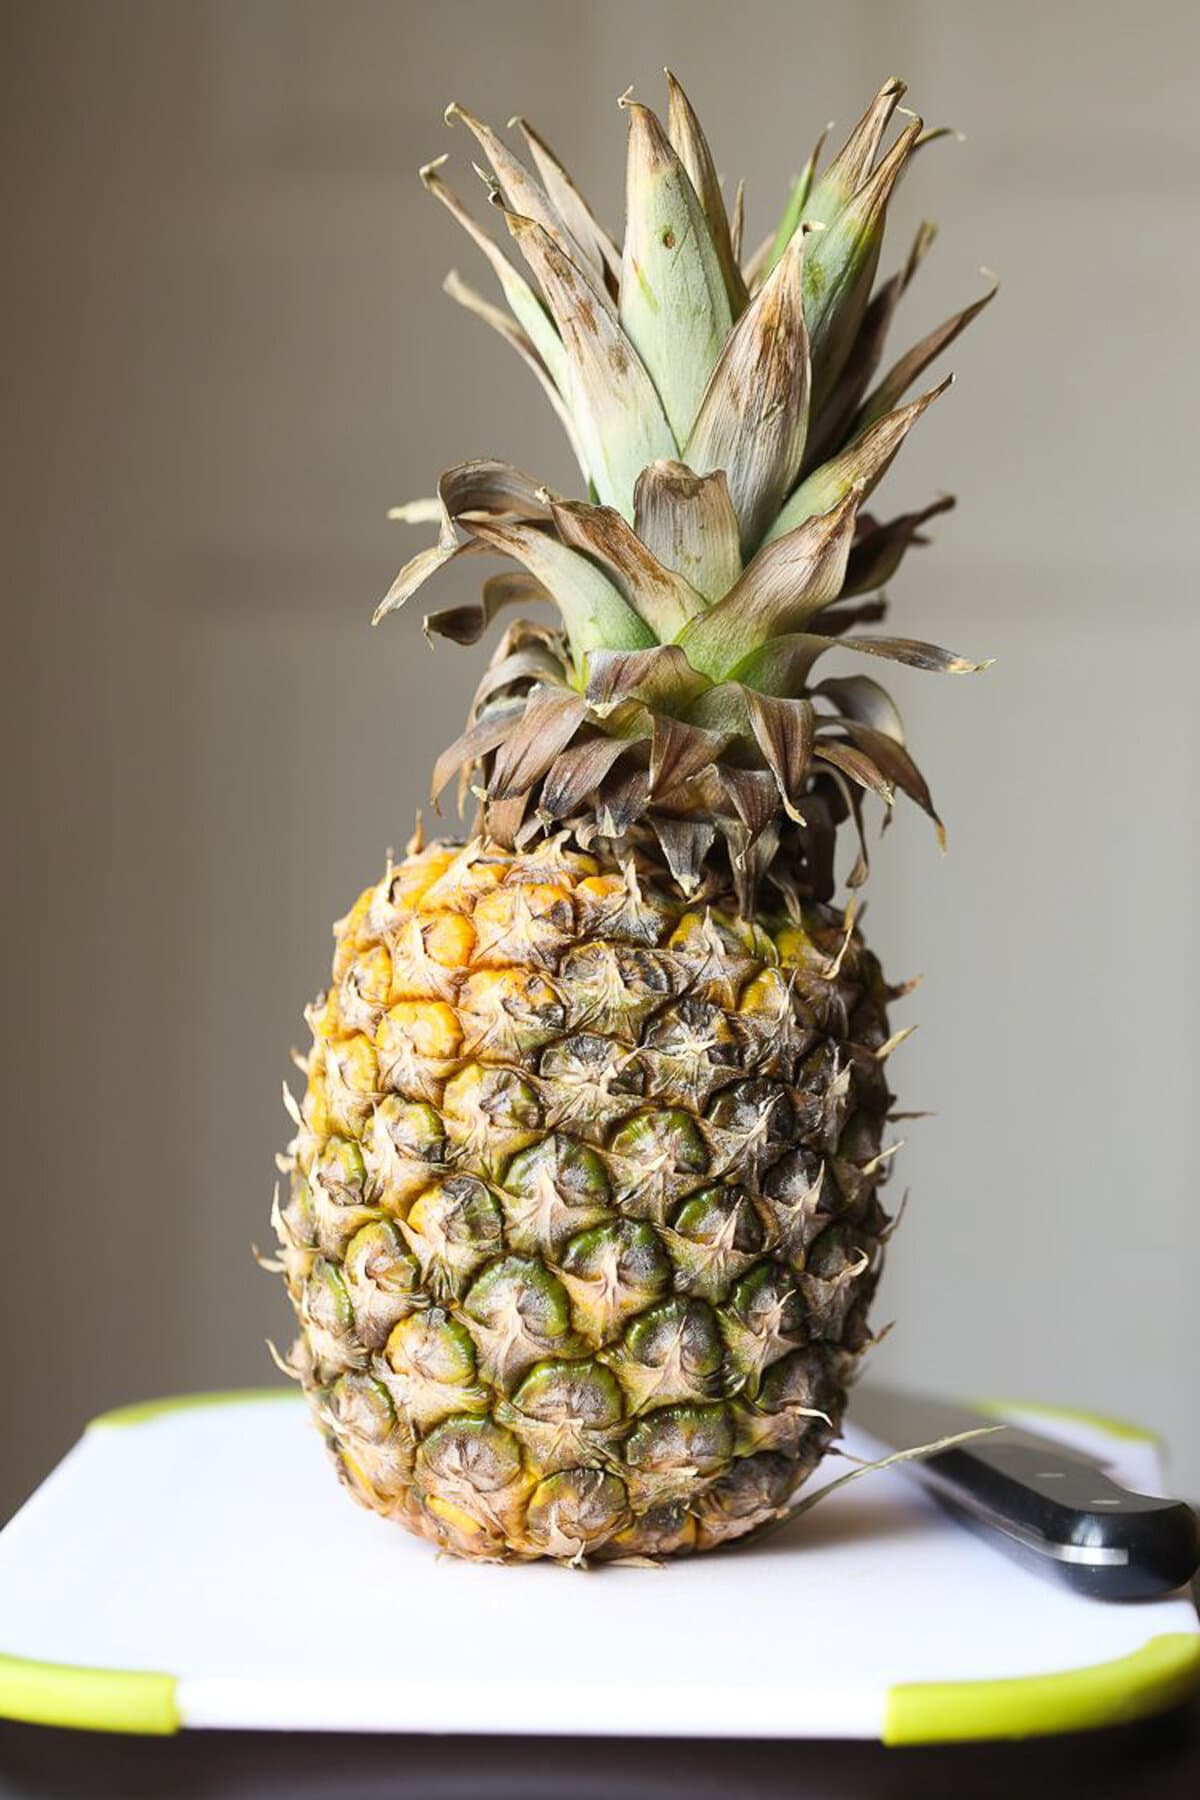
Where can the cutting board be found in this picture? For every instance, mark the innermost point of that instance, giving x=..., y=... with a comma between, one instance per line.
x=195, y=1564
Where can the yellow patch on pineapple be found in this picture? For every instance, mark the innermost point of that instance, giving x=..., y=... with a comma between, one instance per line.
x=316, y=1103
x=429, y=1028
x=454, y=1516
x=371, y=973
x=797, y=950
x=602, y=887
x=324, y=1017
x=346, y=932
x=535, y=920
x=508, y=1012
x=766, y=993
x=450, y=940
x=355, y=1064
x=415, y=876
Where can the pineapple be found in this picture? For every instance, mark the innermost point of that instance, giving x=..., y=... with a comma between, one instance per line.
x=583, y=1213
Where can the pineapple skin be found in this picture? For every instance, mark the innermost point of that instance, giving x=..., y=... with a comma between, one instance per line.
x=582, y=1221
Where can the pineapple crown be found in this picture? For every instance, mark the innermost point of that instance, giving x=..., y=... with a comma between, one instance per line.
x=730, y=424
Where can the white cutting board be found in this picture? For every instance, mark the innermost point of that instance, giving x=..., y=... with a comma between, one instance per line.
x=198, y=1565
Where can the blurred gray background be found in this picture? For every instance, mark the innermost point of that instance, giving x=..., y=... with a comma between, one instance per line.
x=226, y=353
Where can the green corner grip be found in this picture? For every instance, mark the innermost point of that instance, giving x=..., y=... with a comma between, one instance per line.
x=134, y=1700
x=1122, y=1429
x=142, y=1411
x=1165, y=1672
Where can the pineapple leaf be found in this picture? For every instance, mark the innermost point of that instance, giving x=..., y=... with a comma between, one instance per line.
x=416, y=572
x=603, y=257
x=863, y=464
x=691, y=145
x=685, y=843
x=467, y=297
x=895, y=765
x=772, y=248
x=857, y=766
x=784, y=732
x=723, y=708
x=616, y=407
x=661, y=679
x=859, y=697
x=913, y=652
x=782, y=666
x=753, y=419
x=878, y=552
x=577, y=772
x=547, y=724
x=596, y=615
x=524, y=304
x=679, y=751
x=902, y=375
x=687, y=521
x=533, y=661
x=737, y=225
x=522, y=194
x=480, y=487
x=840, y=268
x=467, y=624
x=478, y=740
x=788, y=582
x=860, y=366
x=659, y=596
x=854, y=161
x=674, y=307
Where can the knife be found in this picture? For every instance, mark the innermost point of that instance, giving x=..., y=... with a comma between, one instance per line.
x=1051, y=1506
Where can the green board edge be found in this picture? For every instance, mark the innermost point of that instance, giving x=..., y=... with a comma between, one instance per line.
x=81, y=1699
x=1123, y=1429
x=142, y=1411
x=1165, y=1672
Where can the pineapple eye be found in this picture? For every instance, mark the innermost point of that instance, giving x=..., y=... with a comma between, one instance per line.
x=717, y=1214
x=453, y=1228
x=575, y=1509
x=434, y=1347
x=529, y=923
x=672, y=1134
x=518, y=1313
x=715, y=1238
x=671, y=1352
x=611, y=1273
x=341, y=1171
x=805, y=1380
x=489, y=1113
x=766, y=1300
x=360, y=1407
x=413, y=1127
x=470, y=1460
x=570, y=1392
x=298, y=1215
x=682, y=1437
x=519, y=1292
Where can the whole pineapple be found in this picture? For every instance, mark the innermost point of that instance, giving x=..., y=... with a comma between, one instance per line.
x=583, y=1220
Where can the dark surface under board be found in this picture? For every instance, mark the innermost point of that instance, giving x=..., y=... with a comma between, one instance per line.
x=1158, y=1759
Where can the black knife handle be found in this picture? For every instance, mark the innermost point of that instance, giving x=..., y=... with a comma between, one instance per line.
x=1064, y=1515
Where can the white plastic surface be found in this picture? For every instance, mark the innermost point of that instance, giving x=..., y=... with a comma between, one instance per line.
x=216, y=1545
